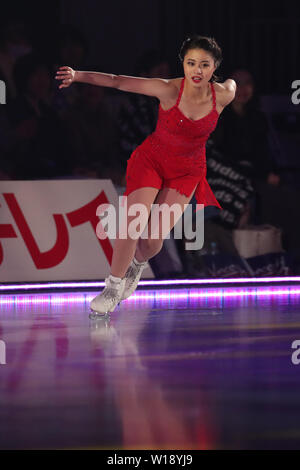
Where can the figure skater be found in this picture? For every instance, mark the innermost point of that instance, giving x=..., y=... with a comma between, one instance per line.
x=170, y=165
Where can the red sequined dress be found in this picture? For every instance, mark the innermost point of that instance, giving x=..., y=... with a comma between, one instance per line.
x=174, y=154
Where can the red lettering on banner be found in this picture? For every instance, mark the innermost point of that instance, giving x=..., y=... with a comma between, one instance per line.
x=87, y=213
x=6, y=231
x=54, y=256
x=49, y=258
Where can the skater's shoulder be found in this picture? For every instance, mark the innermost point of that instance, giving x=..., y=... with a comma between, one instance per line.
x=225, y=91
x=228, y=85
x=176, y=82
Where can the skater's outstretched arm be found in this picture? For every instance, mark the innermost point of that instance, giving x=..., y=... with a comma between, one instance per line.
x=163, y=89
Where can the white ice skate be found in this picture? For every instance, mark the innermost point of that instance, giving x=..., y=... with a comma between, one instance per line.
x=132, y=277
x=108, y=299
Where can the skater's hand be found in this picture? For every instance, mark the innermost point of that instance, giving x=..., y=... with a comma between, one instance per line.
x=67, y=75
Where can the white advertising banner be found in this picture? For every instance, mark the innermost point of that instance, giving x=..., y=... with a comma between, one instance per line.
x=48, y=230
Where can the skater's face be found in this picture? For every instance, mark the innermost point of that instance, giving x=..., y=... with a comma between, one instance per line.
x=198, y=63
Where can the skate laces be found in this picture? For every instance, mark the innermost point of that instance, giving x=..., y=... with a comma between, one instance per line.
x=133, y=271
x=110, y=294
x=112, y=288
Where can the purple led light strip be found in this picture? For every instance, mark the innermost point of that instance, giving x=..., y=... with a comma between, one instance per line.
x=158, y=295
x=169, y=282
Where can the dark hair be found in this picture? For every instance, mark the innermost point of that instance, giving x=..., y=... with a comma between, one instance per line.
x=202, y=42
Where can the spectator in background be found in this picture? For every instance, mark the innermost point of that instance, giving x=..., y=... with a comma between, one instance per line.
x=15, y=42
x=37, y=146
x=242, y=133
x=242, y=139
x=71, y=48
x=6, y=164
x=137, y=114
x=92, y=135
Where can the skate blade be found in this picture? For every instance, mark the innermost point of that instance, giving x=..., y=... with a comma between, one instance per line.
x=96, y=315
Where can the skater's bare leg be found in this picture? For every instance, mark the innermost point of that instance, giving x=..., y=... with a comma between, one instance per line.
x=138, y=254
x=124, y=249
x=149, y=247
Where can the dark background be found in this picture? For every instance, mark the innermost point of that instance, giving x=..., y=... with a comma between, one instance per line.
x=261, y=35
x=88, y=131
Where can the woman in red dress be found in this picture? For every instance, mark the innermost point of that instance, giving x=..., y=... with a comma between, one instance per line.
x=170, y=165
